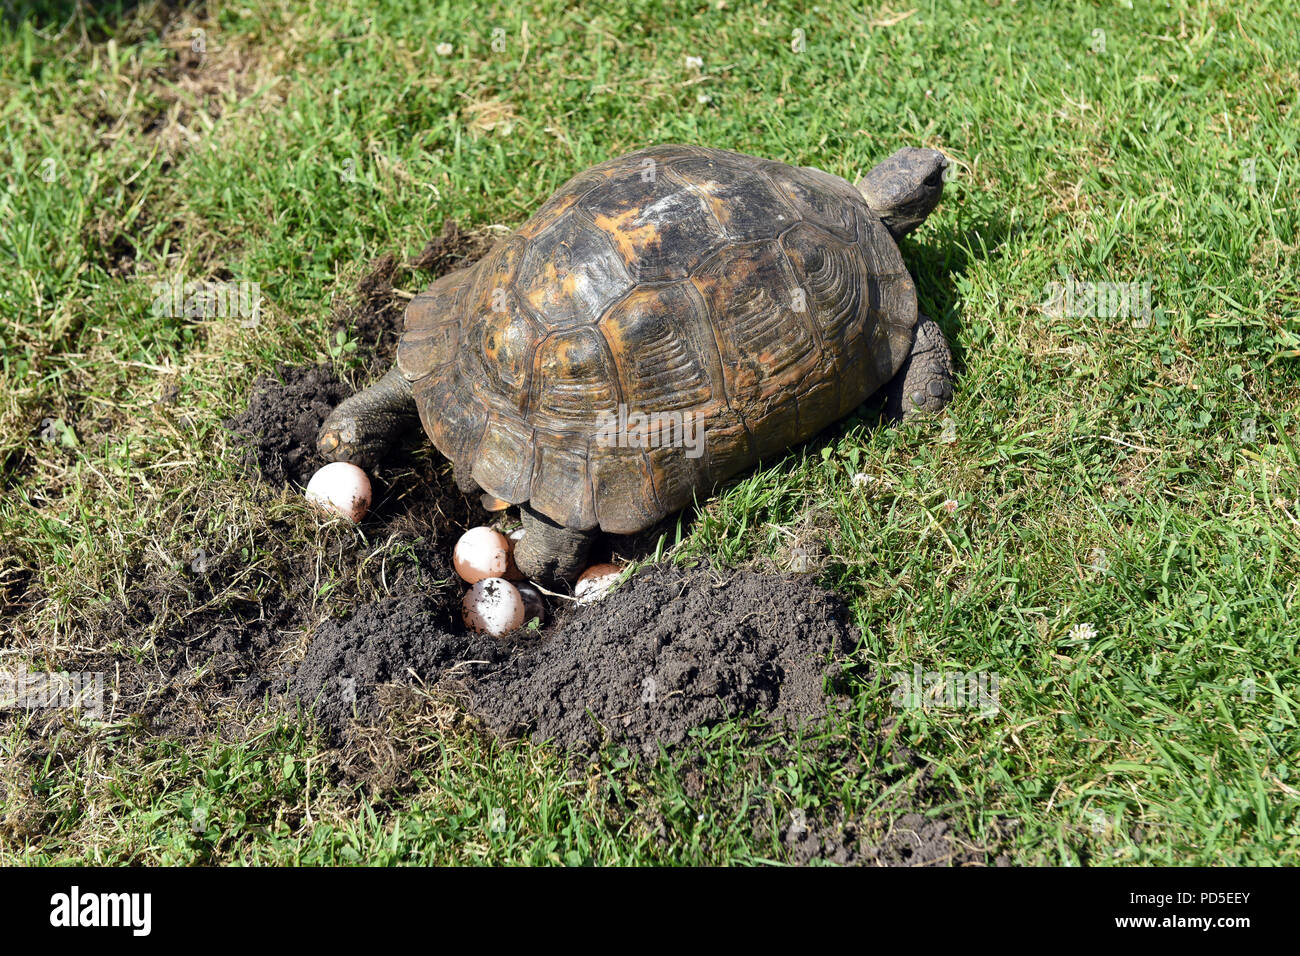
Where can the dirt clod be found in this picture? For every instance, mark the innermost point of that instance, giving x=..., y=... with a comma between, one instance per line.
x=285, y=411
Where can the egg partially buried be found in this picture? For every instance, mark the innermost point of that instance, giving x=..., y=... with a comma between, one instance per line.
x=342, y=489
x=534, y=606
x=493, y=606
x=481, y=553
x=594, y=583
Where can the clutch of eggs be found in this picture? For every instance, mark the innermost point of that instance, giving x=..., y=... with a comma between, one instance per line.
x=499, y=600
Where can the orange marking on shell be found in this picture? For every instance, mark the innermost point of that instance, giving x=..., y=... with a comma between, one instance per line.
x=632, y=239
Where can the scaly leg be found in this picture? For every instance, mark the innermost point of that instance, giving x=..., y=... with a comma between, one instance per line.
x=924, y=384
x=364, y=427
x=550, y=552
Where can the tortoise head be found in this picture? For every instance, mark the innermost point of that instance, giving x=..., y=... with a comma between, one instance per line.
x=905, y=188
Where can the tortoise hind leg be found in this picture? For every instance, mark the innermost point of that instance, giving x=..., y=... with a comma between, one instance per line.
x=924, y=383
x=364, y=427
x=550, y=552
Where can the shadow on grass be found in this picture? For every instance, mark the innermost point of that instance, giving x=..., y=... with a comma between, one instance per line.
x=948, y=252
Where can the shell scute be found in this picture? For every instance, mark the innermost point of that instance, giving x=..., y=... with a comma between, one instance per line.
x=432, y=322
x=666, y=360
x=622, y=489
x=561, y=484
x=763, y=337
x=508, y=340
x=819, y=198
x=742, y=199
x=659, y=223
x=728, y=446
x=454, y=417
x=831, y=274
x=575, y=382
x=571, y=273
x=503, y=465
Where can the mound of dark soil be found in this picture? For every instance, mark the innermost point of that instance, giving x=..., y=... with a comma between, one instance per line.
x=399, y=640
x=671, y=651
x=285, y=411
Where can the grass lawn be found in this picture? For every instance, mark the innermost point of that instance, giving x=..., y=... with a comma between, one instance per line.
x=1107, y=519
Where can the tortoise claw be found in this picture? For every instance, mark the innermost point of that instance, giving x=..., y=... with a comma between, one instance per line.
x=337, y=441
x=363, y=427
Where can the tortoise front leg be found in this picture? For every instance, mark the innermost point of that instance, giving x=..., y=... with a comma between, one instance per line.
x=550, y=552
x=364, y=427
x=924, y=384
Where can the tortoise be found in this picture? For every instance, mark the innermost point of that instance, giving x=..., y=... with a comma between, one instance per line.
x=665, y=320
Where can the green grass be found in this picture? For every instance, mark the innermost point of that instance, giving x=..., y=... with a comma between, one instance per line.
x=313, y=136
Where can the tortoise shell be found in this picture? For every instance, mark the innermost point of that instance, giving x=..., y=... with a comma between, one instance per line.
x=764, y=301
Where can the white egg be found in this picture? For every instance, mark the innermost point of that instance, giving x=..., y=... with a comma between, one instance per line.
x=493, y=606
x=341, y=488
x=594, y=583
x=534, y=606
x=481, y=553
